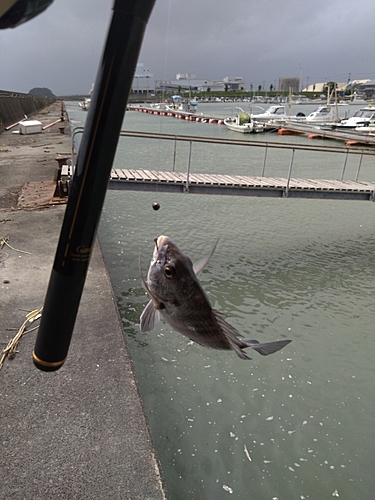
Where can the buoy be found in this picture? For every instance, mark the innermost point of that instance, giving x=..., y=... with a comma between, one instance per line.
x=155, y=205
x=314, y=136
x=355, y=143
x=285, y=131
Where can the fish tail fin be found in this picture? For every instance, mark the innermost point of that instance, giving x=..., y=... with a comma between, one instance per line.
x=266, y=348
x=240, y=353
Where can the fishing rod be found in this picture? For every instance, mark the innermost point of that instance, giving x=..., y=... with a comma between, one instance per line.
x=89, y=185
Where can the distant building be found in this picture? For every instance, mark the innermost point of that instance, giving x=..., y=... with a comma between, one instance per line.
x=189, y=85
x=354, y=84
x=187, y=82
x=319, y=87
x=143, y=81
x=315, y=87
x=368, y=88
x=186, y=76
x=291, y=83
x=234, y=83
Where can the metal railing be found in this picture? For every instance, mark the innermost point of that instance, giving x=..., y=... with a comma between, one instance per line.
x=361, y=152
x=346, y=151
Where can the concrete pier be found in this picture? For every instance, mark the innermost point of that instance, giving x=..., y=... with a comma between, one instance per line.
x=15, y=105
x=80, y=432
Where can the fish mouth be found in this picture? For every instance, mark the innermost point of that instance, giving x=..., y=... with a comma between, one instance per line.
x=160, y=241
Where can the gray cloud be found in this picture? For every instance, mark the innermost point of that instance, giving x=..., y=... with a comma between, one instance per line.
x=259, y=40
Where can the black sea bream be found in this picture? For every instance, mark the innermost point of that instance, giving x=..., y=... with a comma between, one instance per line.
x=178, y=297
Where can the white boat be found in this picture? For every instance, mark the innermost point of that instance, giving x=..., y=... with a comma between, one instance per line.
x=185, y=105
x=356, y=99
x=243, y=123
x=85, y=104
x=275, y=116
x=369, y=130
x=363, y=118
x=160, y=106
x=323, y=115
x=272, y=113
x=302, y=100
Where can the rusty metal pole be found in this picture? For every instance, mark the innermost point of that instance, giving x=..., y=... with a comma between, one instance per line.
x=88, y=189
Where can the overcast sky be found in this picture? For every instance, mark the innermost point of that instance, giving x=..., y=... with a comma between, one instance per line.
x=260, y=40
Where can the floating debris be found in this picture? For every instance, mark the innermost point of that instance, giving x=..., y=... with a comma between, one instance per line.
x=227, y=488
x=246, y=452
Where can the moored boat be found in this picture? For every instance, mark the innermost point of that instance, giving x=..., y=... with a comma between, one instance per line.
x=271, y=114
x=356, y=99
x=85, y=104
x=363, y=118
x=243, y=123
x=323, y=115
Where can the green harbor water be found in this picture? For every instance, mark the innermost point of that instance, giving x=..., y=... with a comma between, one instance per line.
x=295, y=425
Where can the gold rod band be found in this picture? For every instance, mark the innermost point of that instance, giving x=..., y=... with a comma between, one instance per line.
x=48, y=364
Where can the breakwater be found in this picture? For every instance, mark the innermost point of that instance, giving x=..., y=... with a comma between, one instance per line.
x=15, y=105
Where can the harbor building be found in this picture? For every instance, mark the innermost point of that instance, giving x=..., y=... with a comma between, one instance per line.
x=234, y=83
x=367, y=87
x=143, y=81
x=188, y=82
x=320, y=86
x=285, y=84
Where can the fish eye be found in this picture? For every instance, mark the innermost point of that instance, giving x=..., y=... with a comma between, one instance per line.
x=169, y=272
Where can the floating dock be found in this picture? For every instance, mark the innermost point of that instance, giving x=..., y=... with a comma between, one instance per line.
x=178, y=182
x=177, y=113
x=287, y=128
x=239, y=185
x=351, y=138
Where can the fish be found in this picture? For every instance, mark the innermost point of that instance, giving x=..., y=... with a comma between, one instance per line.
x=178, y=297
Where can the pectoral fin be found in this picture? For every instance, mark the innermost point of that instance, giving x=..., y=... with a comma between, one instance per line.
x=149, y=318
x=198, y=266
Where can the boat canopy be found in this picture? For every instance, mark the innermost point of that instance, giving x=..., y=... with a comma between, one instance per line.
x=243, y=118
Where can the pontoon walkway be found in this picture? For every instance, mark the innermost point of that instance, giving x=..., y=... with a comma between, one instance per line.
x=178, y=182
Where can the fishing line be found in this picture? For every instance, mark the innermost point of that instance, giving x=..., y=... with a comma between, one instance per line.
x=156, y=204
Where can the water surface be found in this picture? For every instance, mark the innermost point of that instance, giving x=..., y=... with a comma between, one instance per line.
x=294, y=425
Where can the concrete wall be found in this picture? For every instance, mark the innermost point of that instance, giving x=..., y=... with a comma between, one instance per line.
x=14, y=105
